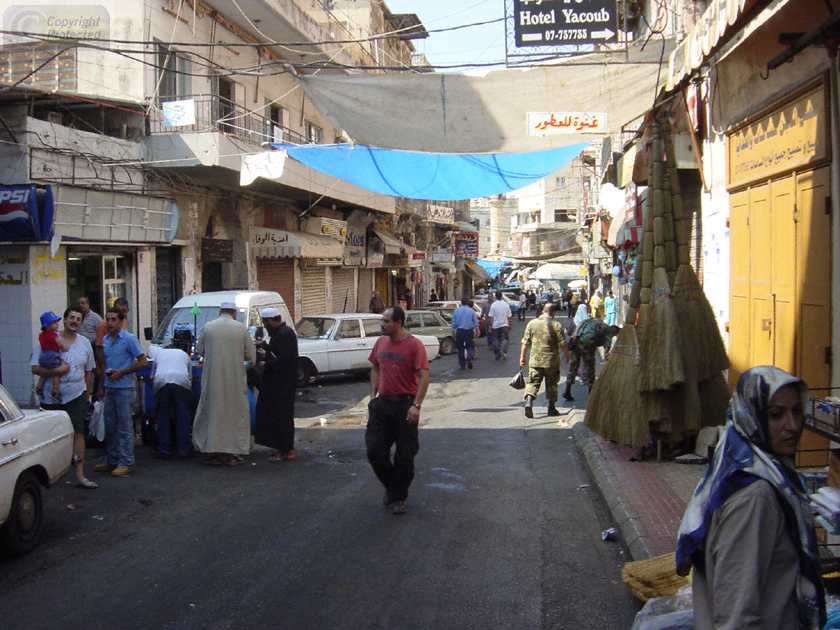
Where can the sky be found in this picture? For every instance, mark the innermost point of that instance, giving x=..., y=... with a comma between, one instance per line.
x=478, y=44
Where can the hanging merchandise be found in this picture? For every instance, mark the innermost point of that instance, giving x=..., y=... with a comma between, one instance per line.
x=665, y=378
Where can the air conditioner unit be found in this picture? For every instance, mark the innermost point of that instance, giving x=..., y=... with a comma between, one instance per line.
x=333, y=228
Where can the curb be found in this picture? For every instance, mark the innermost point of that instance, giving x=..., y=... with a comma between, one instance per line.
x=628, y=523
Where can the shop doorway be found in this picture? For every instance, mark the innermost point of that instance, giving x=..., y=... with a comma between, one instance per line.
x=102, y=279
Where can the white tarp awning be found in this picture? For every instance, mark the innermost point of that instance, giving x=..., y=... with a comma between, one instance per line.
x=456, y=113
x=269, y=243
x=557, y=271
x=394, y=245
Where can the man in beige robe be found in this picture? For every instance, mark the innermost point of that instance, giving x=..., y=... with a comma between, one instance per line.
x=223, y=419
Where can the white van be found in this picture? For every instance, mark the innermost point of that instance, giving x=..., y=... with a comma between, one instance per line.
x=248, y=306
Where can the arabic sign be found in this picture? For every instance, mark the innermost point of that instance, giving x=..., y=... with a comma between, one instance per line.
x=466, y=244
x=564, y=22
x=26, y=213
x=440, y=214
x=790, y=136
x=550, y=123
x=216, y=250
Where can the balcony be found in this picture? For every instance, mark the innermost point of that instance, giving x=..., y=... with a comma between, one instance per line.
x=211, y=113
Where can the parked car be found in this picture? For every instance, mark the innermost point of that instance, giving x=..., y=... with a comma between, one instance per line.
x=36, y=449
x=419, y=322
x=447, y=307
x=341, y=343
x=248, y=306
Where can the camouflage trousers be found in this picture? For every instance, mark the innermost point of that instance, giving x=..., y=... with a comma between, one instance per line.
x=535, y=378
x=581, y=352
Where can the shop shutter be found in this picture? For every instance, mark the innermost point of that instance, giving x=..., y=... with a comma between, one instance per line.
x=313, y=291
x=365, y=289
x=278, y=274
x=344, y=290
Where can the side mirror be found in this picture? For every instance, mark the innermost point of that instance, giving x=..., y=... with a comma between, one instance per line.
x=148, y=333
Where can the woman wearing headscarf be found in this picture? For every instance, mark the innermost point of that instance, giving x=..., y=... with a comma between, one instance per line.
x=748, y=531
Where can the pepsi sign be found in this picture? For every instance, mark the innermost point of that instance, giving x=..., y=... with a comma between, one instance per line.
x=26, y=213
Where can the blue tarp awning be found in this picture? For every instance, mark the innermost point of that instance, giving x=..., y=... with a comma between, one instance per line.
x=439, y=176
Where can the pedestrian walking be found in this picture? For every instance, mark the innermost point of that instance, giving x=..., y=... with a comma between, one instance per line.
x=591, y=334
x=465, y=326
x=376, y=304
x=545, y=338
x=123, y=357
x=596, y=305
x=748, y=531
x=500, y=322
x=223, y=420
x=485, y=315
x=172, y=386
x=523, y=307
x=398, y=383
x=275, y=421
x=609, y=309
x=75, y=387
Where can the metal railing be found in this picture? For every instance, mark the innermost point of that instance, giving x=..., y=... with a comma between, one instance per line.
x=216, y=114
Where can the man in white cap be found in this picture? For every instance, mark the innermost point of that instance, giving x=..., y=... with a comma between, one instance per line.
x=223, y=419
x=275, y=425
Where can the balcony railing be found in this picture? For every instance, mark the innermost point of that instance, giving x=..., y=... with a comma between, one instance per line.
x=216, y=114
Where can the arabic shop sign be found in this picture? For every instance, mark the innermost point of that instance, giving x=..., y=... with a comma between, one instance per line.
x=564, y=22
x=791, y=136
x=440, y=214
x=550, y=123
x=466, y=244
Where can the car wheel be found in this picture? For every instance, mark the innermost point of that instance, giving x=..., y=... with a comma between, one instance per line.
x=447, y=345
x=305, y=372
x=21, y=531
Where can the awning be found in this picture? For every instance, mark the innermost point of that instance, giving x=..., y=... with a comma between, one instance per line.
x=269, y=243
x=393, y=245
x=477, y=271
x=557, y=271
x=459, y=113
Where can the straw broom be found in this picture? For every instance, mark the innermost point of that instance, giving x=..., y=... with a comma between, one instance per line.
x=614, y=405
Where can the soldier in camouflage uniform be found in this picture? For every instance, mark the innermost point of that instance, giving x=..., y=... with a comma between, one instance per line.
x=546, y=338
x=588, y=336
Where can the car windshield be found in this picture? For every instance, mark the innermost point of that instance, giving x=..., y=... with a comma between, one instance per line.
x=184, y=315
x=314, y=327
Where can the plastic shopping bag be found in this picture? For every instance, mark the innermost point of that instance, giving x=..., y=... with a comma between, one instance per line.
x=96, y=427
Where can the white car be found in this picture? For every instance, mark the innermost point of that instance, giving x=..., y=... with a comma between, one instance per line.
x=36, y=449
x=340, y=343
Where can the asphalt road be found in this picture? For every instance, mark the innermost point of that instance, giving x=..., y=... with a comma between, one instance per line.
x=502, y=530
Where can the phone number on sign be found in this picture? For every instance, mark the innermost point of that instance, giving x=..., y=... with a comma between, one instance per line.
x=572, y=33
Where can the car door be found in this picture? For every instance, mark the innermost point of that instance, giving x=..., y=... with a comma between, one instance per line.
x=348, y=349
x=13, y=446
x=434, y=325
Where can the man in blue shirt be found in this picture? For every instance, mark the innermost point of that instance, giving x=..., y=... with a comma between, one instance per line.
x=464, y=323
x=123, y=357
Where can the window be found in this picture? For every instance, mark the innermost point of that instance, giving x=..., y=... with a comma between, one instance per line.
x=413, y=321
x=430, y=320
x=372, y=328
x=224, y=92
x=275, y=120
x=49, y=66
x=349, y=329
x=174, y=70
x=314, y=133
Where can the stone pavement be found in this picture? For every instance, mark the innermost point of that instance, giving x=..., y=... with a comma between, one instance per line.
x=646, y=499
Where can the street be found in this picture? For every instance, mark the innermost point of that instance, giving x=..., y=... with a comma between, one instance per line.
x=503, y=528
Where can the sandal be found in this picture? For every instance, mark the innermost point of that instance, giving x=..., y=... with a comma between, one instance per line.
x=235, y=460
x=213, y=460
x=87, y=484
x=282, y=457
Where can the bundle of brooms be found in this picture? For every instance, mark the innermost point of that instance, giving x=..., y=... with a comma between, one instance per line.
x=668, y=375
x=654, y=577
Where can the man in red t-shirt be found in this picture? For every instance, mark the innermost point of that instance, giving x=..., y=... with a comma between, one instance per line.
x=398, y=383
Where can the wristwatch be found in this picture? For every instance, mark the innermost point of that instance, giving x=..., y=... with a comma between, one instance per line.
x=415, y=405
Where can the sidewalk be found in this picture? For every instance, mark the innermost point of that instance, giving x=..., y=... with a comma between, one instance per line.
x=646, y=499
